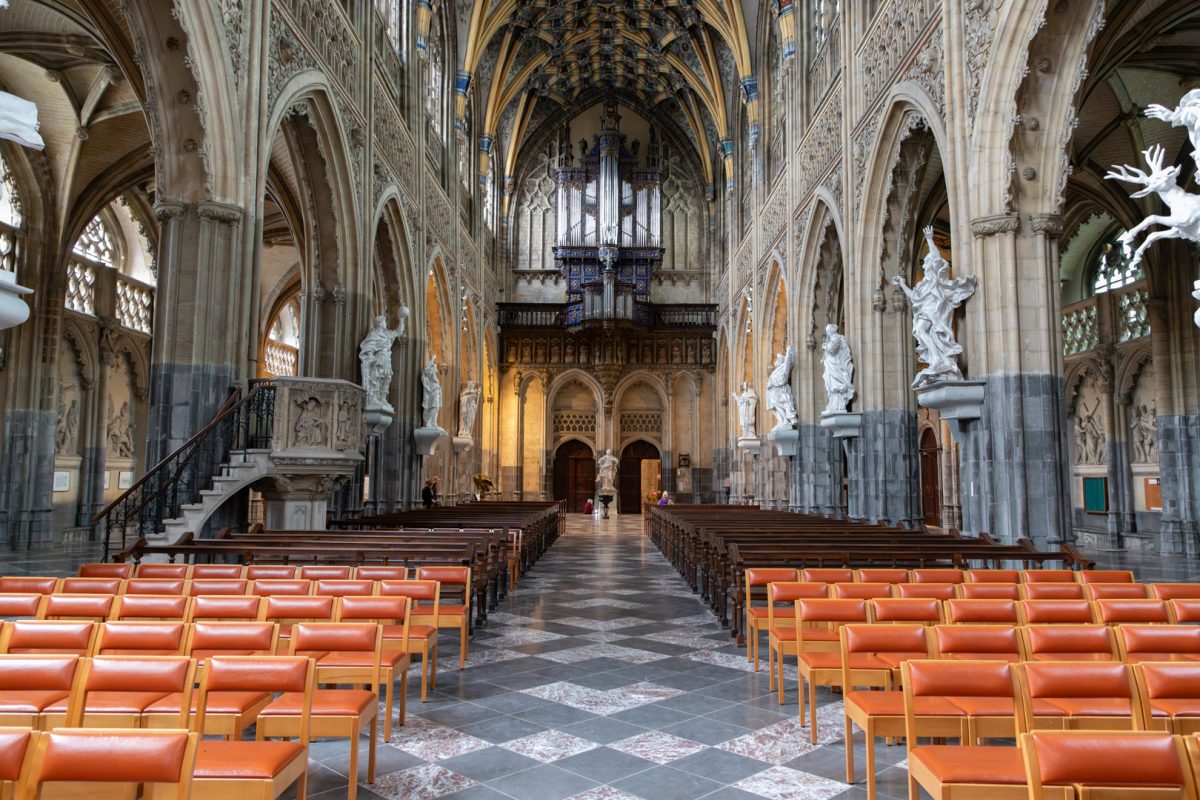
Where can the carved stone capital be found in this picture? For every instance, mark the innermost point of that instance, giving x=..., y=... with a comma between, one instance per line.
x=167, y=210
x=1049, y=224
x=993, y=224
x=219, y=212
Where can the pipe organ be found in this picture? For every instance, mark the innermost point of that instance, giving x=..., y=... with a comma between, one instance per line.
x=609, y=226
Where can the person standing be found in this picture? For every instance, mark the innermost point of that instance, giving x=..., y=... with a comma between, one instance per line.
x=429, y=494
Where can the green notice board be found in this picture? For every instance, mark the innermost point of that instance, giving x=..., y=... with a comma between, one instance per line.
x=1095, y=495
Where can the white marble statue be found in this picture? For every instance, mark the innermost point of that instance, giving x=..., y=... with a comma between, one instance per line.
x=1186, y=114
x=19, y=121
x=839, y=371
x=606, y=467
x=375, y=357
x=747, y=403
x=468, y=405
x=431, y=403
x=933, y=300
x=780, y=401
x=1183, y=221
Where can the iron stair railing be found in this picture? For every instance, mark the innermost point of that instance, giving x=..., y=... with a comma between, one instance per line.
x=244, y=422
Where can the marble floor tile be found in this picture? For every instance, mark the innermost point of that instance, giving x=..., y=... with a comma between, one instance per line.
x=426, y=782
x=782, y=783
x=775, y=744
x=659, y=747
x=549, y=746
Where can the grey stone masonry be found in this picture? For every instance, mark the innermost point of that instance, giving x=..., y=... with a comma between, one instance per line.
x=1179, y=464
x=28, y=467
x=817, y=472
x=884, y=469
x=1014, y=462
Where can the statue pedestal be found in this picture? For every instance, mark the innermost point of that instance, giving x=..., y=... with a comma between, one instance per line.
x=786, y=441
x=1196, y=294
x=462, y=443
x=955, y=401
x=605, y=499
x=750, y=444
x=842, y=424
x=426, y=440
x=377, y=417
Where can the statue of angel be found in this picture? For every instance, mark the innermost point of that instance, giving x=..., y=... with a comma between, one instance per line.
x=934, y=300
x=1186, y=114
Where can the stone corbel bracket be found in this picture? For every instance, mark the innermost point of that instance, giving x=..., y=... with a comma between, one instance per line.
x=955, y=401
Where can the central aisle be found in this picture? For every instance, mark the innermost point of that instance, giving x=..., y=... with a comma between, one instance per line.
x=603, y=678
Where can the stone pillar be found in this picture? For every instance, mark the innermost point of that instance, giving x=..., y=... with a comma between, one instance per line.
x=884, y=469
x=198, y=311
x=94, y=448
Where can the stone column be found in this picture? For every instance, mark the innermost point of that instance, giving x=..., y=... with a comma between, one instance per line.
x=94, y=448
x=198, y=309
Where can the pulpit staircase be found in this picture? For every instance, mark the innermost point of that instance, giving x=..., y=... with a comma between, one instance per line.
x=183, y=490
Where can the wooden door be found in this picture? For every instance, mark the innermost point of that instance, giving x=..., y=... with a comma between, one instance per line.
x=931, y=479
x=629, y=475
x=574, y=474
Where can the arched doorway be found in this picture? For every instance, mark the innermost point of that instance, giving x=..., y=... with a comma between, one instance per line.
x=931, y=479
x=574, y=474
x=629, y=475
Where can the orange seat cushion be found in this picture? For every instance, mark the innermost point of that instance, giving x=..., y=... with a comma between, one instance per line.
x=217, y=702
x=1092, y=706
x=831, y=660
x=113, y=703
x=1012, y=657
x=29, y=701
x=326, y=702
x=1072, y=657
x=891, y=704
x=262, y=760
x=894, y=660
x=984, y=706
x=414, y=631
x=388, y=658
x=972, y=764
x=1171, y=707
x=443, y=608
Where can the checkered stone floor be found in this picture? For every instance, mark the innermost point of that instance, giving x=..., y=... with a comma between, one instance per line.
x=604, y=678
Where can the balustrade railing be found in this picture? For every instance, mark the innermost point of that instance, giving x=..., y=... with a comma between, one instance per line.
x=244, y=422
x=825, y=66
x=1114, y=318
x=135, y=304
x=280, y=359
x=684, y=315
x=555, y=315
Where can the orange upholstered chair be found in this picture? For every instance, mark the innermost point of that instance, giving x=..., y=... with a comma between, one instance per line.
x=1048, y=576
x=1135, y=765
x=347, y=653
x=1175, y=591
x=1069, y=643
x=218, y=585
x=881, y=575
x=781, y=628
x=392, y=615
x=42, y=636
x=989, y=591
x=1074, y=695
x=264, y=769
x=105, y=570
x=1116, y=591
x=1168, y=696
x=74, y=761
x=1104, y=576
x=1055, y=612
x=28, y=584
x=937, y=575
x=21, y=606
x=141, y=638
x=270, y=587
x=993, y=576
x=449, y=615
x=1138, y=643
x=756, y=580
x=908, y=610
x=314, y=572
x=217, y=571
x=228, y=607
x=826, y=575
x=174, y=586
x=232, y=639
x=933, y=591
x=115, y=691
x=30, y=684
x=978, y=693
x=1131, y=612
x=95, y=607
x=1184, y=610
x=15, y=762
x=380, y=572
x=981, y=612
x=861, y=591
x=287, y=610
x=258, y=572
x=819, y=658
x=879, y=713
x=151, y=606
x=977, y=642
x=422, y=636
x=337, y=587
x=1051, y=590
x=90, y=586
x=183, y=571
